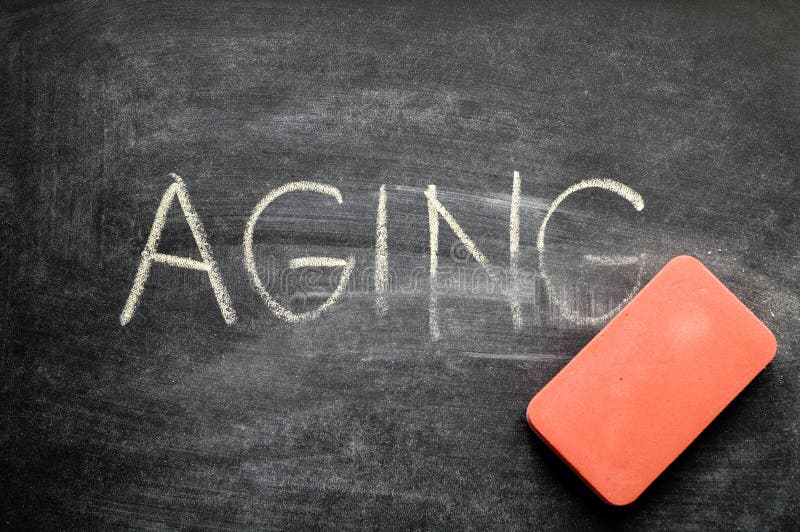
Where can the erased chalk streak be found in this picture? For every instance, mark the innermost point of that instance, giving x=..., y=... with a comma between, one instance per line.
x=612, y=260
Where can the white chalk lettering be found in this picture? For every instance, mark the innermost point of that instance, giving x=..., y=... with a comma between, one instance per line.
x=513, y=250
x=436, y=209
x=250, y=261
x=381, y=280
x=381, y=256
x=150, y=254
x=633, y=197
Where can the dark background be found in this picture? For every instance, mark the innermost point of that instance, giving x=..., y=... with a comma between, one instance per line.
x=355, y=420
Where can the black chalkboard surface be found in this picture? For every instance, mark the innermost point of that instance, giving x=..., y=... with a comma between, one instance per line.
x=401, y=403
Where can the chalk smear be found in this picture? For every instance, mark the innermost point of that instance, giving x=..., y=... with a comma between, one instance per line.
x=513, y=356
x=250, y=261
x=612, y=260
x=150, y=255
x=634, y=198
x=316, y=262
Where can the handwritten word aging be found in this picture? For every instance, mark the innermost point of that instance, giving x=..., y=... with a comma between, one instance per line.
x=436, y=210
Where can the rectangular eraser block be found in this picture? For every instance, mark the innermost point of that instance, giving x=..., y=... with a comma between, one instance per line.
x=646, y=386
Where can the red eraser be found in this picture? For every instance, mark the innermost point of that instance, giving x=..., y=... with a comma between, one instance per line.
x=646, y=386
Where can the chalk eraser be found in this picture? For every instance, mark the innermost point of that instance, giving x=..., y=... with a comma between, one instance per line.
x=645, y=387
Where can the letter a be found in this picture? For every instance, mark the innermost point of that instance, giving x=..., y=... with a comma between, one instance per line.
x=150, y=254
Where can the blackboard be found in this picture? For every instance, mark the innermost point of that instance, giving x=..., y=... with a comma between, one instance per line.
x=363, y=417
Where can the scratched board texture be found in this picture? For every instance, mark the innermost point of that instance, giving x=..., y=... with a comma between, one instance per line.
x=355, y=420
